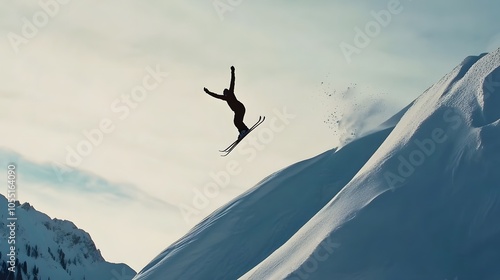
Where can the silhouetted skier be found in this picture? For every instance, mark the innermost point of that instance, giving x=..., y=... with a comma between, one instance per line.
x=235, y=105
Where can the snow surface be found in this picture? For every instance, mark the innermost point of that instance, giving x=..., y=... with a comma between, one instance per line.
x=419, y=198
x=59, y=249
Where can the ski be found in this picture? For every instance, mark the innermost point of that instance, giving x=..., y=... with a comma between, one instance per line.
x=233, y=145
x=236, y=142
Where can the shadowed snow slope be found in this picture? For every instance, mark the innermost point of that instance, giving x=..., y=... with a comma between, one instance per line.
x=239, y=235
x=417, y=199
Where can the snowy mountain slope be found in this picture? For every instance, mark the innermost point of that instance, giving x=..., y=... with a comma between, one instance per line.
x=293, y=194
x=416, y=199
x=56, y=249
x=426, y=204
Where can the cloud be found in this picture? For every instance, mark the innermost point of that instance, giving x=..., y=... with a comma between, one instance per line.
x=77, y=182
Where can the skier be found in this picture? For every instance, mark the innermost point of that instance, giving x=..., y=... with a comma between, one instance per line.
x=236, y=106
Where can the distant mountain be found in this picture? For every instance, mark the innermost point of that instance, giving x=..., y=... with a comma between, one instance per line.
x=417, y=198
x=50, y=249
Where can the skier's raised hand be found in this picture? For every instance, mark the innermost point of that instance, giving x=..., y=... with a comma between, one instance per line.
x=232, y=68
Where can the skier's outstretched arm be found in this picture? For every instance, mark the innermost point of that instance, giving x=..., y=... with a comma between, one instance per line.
x=231, y=86
x=214, y=94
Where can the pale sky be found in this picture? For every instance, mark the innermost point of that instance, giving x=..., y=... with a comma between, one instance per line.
x=72, y=68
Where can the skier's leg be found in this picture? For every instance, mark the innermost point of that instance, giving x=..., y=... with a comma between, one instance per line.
x=238, y=119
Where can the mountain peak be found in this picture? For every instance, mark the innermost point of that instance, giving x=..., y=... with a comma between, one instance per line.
x=26, y=206
x=56, y=248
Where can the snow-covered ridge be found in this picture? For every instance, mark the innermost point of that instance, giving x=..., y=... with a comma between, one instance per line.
x=425, y=183
x=418, y=198
x=52, y=249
